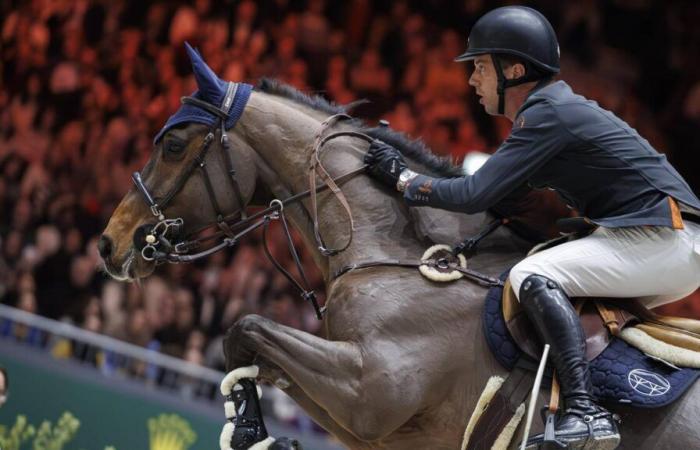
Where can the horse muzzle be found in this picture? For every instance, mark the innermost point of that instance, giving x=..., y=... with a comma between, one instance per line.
x=156, y=241
x=126, y=267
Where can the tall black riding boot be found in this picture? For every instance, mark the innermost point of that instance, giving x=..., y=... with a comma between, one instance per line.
x=582, y=424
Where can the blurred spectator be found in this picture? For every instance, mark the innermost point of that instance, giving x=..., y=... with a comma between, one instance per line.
x=4, y=386
x=114, y=309
x=369, y=76
x=314, y=32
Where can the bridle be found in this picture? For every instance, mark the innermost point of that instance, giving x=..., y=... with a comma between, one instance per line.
x=155, y=244
x=163, y=241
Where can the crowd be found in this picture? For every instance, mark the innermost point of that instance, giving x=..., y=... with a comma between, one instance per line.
x=85, y=85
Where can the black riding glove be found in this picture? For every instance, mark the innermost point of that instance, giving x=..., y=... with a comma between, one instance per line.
x=384, y=162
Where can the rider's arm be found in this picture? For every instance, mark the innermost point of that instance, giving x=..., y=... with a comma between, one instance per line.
x=536, y=138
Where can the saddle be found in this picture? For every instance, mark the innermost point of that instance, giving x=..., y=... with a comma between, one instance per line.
x=602, y=320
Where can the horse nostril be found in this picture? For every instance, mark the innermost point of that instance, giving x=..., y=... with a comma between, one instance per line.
x=104, y=245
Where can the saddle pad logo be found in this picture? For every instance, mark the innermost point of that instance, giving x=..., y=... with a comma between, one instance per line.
x=648, y=383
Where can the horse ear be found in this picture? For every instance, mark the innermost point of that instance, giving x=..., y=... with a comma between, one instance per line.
x=209, y=85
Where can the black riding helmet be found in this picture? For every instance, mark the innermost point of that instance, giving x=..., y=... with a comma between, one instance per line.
x=518, y=31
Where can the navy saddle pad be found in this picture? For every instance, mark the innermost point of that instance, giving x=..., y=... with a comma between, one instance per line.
x=620, y=374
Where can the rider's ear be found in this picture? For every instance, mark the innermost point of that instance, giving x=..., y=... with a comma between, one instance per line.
x=518, y=70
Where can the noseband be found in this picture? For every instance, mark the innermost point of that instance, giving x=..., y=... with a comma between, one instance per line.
x=163, y=241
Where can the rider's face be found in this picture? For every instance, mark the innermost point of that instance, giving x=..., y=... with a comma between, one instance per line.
x=484, y=80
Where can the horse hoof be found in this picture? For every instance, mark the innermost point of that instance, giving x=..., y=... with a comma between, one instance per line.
x=286, y=444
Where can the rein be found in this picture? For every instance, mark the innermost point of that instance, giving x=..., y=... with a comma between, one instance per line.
x=316, y=169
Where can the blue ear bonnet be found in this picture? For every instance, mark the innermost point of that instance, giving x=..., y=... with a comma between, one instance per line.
x=212, y=90
x=191, y=113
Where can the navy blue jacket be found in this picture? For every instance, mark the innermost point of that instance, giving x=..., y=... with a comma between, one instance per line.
x=595, y=161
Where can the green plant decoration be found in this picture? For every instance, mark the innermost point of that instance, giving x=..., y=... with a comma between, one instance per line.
x=20, y=433
x=55, y=438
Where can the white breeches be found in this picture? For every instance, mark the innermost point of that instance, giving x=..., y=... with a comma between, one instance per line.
x=658, y=265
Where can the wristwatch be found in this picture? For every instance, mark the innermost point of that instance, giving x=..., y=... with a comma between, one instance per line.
x=406, y=176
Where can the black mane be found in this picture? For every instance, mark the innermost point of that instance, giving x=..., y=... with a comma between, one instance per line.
x=416, y=149
x=276, y=87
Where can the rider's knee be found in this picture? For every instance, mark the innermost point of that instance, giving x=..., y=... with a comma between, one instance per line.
x=519, y=273
x=526, y=269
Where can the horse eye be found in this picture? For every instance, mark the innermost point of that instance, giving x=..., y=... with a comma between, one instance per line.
x=174, y=147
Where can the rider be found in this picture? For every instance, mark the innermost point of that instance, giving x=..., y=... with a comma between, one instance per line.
x=647, y=240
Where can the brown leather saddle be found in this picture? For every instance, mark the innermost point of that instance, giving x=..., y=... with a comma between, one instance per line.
x=603, y=318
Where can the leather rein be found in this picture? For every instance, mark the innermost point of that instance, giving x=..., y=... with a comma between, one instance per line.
x=161, y=242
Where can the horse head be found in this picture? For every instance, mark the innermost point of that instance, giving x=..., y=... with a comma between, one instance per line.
x=197, y=177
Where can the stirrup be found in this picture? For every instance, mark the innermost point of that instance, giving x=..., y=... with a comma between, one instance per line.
x=549, y=438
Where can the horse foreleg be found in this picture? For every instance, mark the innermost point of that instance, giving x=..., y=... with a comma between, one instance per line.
x=333, y=375
x=270, y=372
x=321, y=417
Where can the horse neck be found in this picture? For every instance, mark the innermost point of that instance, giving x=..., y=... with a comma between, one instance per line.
x=282, y=137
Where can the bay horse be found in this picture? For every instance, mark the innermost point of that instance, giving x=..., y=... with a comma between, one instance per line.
x=402, y=360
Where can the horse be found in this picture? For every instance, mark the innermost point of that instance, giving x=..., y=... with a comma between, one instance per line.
x=402, y=360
